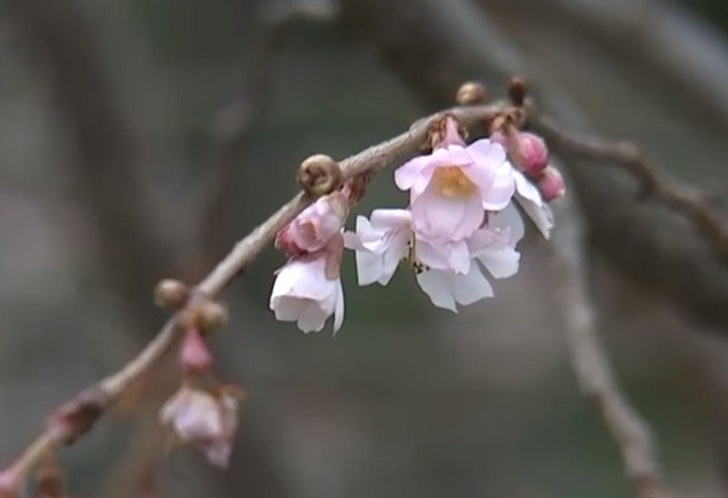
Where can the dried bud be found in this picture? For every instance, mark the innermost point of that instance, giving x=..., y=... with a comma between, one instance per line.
x=471, y=93
x=517, y=91
x=170, y=293
x=551, y=184
x=205, y=420
x=319, y=175
x=210, y=316
x=76, y=417
x=534, y=154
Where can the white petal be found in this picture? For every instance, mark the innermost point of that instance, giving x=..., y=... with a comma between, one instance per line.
x=451, y=218
x=434, y=284
x=406, y=175
x=504, y=186
x=501, y=262
x=312, y=318
x=471, y=287
x=526, y=189
x=508, y=219
x=339, y=310
x=541, y=215
x=445, y=289
x=486, y=152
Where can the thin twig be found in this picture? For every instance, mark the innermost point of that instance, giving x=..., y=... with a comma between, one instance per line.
x=75, y=417
x=684, y=199
x=593, y=370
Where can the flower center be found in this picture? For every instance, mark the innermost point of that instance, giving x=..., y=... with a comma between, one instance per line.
x=450, y=181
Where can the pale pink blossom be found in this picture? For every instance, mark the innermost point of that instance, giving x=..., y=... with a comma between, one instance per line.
x=311, y=230
x=308, y=289
x=451, y=188
x=201, y=419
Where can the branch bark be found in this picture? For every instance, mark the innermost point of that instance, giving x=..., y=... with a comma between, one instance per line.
x=77, y=416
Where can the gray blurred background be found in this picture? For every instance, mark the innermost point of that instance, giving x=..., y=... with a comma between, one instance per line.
x=140, y=139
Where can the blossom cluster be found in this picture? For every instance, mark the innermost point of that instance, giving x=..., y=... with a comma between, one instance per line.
x=460, y=226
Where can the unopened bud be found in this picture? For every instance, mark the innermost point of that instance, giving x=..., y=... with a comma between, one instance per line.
x=319, y=175
x=170, y=293
x=517, y=91
x=471, y=93
x=551, y=184
x=194, y=356
x=533, y=153
x=211, y=316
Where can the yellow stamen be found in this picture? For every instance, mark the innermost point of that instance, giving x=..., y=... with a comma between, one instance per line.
x=450, y=181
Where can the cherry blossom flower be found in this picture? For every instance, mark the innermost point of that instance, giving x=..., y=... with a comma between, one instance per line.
x=449, y=273
x=308, y=289
x=451, y=188
x=311, y=230
x=205, y=420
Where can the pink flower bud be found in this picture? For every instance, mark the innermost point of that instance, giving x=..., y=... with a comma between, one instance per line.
x=551, y=184
x=534, y=154
x=285, y=243
x=194, y=356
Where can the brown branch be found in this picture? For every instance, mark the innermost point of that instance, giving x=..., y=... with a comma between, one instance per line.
x=592, y=368
x=682, y=198
x=74, y=418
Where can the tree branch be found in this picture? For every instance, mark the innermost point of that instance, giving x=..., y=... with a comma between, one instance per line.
x=592, y=368
x=75, y=418
x=435, y=46
x=682, y=198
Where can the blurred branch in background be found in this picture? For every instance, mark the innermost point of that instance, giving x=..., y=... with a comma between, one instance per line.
x=591, y=364
x=693, y=204
x=435, y=46
x=105, y=174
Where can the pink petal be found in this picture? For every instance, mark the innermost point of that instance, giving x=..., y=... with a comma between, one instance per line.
x=502, y=190
x=451, y=218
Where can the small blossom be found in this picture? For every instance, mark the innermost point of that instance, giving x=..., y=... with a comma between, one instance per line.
x=551, y=184
x=308, y=289
x=380, y=244
x=205, y=420
x=311, y=230
x=451, y=188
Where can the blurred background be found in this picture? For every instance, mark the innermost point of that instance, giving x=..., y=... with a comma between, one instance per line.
x=140, y=139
